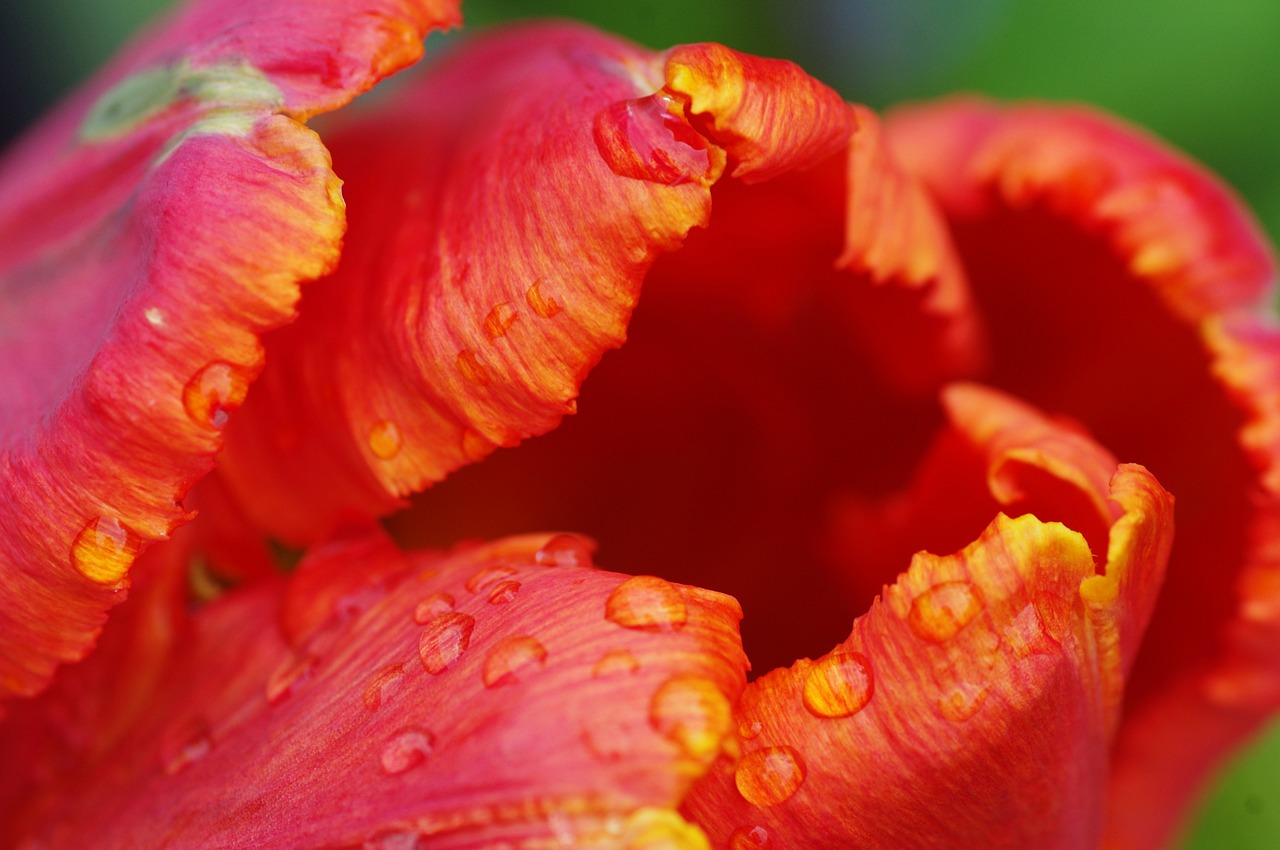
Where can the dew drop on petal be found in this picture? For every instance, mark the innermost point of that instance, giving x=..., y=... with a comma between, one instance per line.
x=513, y=658
x=503, y=592
x=693, y=713
x=500, y=320
x=432, y=606
x=564, y=550
x=770, y=775
x=184, y=745
x=214, y=393
x=838, y=685
x=962, y=702
x=661, y=829
x=471, y=367
x=647, y=603
x=104, y=550
x=541, y=303
x=486, y=578
x=443, y=641
x=750, y=838
x=405, y=750
x=749, y=729
x=383, y=685
x=290, y=675
x=385, y=439
x=615, y=662
x=940, y=612
x=642, y=139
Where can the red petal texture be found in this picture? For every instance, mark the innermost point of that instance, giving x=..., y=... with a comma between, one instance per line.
x=149, y=231
x=502, y=692
x=1073, y=227
x=498, y=287
x=974, y=702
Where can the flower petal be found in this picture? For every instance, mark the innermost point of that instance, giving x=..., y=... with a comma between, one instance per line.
x=973, y=704
x=151, y=229
x=1129, y=243
x=503, y=692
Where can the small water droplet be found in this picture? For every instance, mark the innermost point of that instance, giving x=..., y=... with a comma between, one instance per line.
x=431, y=607
x=471, y=367
x=642, y=139
x=748, y=730
x=383, y=685
x=693, y=713
x=154, y=316
x=651, y=828
x=443, y=641
x=750, y=838
x=615, y=662
x=486, y=578
x=104, y=550
x=540, y=303
x=184, y=745
x=215, y=392
x=385, y=439
x=838, y=685
x=647, y=603
x=962, y=702
x=513, y=658
x=564, y=550
x=405, y=750
x=940, y=612
x=503, y=592
x=500, y=320
x=770, y=775
x=290, y=675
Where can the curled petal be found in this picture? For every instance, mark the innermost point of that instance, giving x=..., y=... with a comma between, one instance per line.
x=150, y=230
x=492, y=694
x=973, y=704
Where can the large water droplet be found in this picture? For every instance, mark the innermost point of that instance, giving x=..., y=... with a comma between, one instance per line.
x=643, y=139
x=500, y=320
x=564, y=550
x=750, y=838
x=504, y=592
x=471, y=367
x=770, y=775
x=647, y=603
x=405, y=750
x=486, y=578
x=615, y=662
x=104, y=550
x=940, y=612
x=290, y=675
x=838, y=685
x=184, y=745
x=431, y=607
x=383, y=685
x=215, y=392
x=693, y=713
x=443, y=641
x=385, y=439
x=513, y=658
x=540, y=303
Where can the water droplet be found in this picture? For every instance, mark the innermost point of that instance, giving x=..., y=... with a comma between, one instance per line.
x=431, y=607
x=651, y=828
x=615, y=662
x=750, y=838
x=962, y=702
x=405, y=750
x=383, y=685
x=154, y=316
x=693, y=713
x=487, y=578
x=748, y=730
x=104, y=550
x=940, y=612
x=564, y=550
x=647, y=603
x=1027, y=636
x=503, y=592
x=385, y=440
x=541, y=303
x=185, y=744
x=642, y=139
x=215, y=392
x=471, y=367
x=838, y=685
x=500, y=320
x=443, y=641
x=290, y=675
x=770, y=775
x=513, y=658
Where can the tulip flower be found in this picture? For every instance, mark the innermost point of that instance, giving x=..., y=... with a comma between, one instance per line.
x=334, y=401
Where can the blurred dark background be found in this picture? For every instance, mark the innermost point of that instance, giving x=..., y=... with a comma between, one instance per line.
x=1205, y=76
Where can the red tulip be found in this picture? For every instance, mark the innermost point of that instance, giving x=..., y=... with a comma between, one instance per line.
x=877, y=378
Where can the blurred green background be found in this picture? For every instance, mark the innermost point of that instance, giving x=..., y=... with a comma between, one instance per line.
x=1205, y=76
